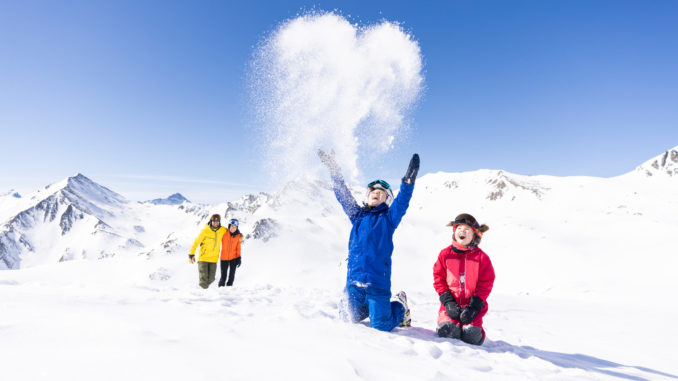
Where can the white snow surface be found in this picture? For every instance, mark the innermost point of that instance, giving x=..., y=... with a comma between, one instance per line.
x=585, y=277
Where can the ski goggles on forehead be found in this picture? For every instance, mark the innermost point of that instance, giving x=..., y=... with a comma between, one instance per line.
x=234, y=222
x=380, y=182
x=467, y=220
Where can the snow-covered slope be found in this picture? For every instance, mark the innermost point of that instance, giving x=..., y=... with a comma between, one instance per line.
x=70, y=206
x=79, y=219
x=665, y=164
x=585, y=278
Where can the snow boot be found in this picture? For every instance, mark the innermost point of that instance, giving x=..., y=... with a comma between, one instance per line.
x=401, y=298
x=472, y=335
x=449, y=329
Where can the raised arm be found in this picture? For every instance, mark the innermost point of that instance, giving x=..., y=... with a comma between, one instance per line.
x=341, y=191
x=402, y=201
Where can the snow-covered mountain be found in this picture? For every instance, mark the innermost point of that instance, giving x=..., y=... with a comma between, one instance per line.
x=665, y=164
x=77, y=219
x=48, y=215
x=305, y=205
x=585, y=276
x=174, y=199
x=10, y=193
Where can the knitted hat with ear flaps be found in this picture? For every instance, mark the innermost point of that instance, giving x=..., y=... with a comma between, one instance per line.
x=469, y=220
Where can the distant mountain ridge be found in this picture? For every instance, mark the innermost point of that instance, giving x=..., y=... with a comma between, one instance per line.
x=76, y=218
x=175, y=199
x=11, y=193
x=79, y=219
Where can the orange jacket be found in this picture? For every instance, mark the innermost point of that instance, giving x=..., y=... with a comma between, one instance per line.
x=230, y=246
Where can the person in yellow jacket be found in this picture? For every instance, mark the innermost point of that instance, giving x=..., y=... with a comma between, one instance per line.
x=209, y=241
x=230, y=253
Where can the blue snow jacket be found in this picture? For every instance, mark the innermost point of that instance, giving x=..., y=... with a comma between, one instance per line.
x=370, y=245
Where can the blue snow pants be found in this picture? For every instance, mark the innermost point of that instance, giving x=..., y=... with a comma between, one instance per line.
x=363, y=302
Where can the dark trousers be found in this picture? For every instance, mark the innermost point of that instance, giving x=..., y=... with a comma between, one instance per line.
x=228, y=267
x=207, y=272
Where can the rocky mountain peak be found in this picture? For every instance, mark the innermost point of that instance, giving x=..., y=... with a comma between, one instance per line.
x=502, y=183
x=84, y=186
x=11, y=193
x=175, y=199
x=665, y=164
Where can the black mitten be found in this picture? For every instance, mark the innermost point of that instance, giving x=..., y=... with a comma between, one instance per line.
x=451, y=307
x=412, y=170
x=469, y=312
x=238, y=261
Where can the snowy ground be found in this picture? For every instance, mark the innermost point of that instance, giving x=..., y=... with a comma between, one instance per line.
x=585, y=278
x=146, y=319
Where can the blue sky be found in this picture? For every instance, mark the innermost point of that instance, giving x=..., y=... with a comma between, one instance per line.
x=151, y=97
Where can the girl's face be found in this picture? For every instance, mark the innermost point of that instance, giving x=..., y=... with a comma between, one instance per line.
x=232, y=228
x=376, y=197
x=463, y=234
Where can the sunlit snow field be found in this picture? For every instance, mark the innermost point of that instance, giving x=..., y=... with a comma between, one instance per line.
x=581, y=293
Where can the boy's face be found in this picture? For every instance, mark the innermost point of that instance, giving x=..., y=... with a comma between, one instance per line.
x=463, y=234
x=216, y=223
x=376, y=197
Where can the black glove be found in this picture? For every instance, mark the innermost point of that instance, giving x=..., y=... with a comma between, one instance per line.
x=191, y=258
x=238, y=261
x=469, y=312
x=451, y=307
x=330, y=162
x=412, y=170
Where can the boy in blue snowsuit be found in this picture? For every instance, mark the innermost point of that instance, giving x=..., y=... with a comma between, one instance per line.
x=370, y=246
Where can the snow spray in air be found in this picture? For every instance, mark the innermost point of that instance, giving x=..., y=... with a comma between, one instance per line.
x=319, y=81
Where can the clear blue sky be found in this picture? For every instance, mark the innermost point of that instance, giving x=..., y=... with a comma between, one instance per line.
x=150, y=97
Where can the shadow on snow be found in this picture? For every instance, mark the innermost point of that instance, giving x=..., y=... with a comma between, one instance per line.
x=563, y=360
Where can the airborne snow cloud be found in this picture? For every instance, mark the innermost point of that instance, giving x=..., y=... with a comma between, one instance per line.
x=319, y=81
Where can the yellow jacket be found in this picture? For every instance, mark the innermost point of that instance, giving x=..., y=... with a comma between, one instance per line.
x=210, y=244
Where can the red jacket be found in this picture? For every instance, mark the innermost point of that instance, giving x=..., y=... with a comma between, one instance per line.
x=448, y=274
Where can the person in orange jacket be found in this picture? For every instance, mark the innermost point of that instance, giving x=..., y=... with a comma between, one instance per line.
x=230, y=253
